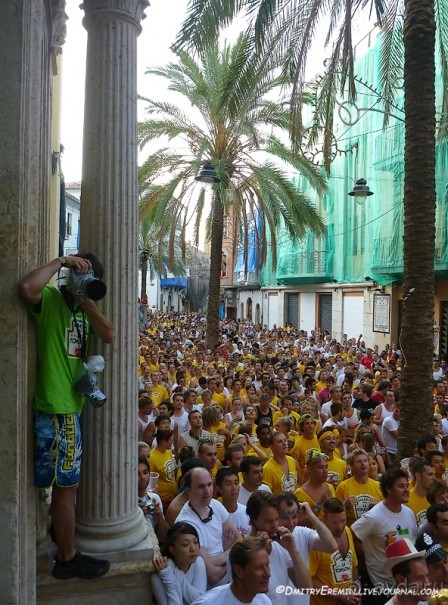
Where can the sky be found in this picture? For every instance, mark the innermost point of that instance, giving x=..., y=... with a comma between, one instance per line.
x=159, y=30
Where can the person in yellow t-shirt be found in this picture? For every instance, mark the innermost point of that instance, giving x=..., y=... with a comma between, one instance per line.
x=280, y=473
x=337, y=468
x=161, y=462
x=286, y=410
x=338, y=569
x=306, y=442
x=212, y=422
x=159, y=392
x=316, y=489
x=424, y=476
x=359, y=493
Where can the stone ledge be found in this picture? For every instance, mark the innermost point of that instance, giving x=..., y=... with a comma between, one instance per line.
x=128, y=581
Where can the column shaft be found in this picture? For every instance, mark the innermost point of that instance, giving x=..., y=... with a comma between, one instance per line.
x=108, y=518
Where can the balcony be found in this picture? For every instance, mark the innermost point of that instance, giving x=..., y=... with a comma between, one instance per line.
x=388, y=255
x=300, y=267
x=251, y=278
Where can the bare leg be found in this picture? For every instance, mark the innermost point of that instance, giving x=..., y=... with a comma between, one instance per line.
x=63, y=515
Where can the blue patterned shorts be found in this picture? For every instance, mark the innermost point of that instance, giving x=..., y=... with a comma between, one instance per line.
x=58, y=449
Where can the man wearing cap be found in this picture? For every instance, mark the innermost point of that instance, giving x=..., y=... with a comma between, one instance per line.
x=408, y=567
x=436, y=559
x=385, y=523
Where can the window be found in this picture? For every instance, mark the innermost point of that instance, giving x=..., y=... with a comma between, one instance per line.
x=69, y=225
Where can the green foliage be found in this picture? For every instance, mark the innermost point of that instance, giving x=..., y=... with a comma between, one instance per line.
x=230, y=125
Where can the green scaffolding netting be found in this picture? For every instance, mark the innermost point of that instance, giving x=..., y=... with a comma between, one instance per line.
x=363, y=240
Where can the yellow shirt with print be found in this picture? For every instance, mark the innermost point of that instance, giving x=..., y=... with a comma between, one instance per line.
x=218, y=439
x=301, y=448
x=419, y=505
x=166, y=467
x=333, y=570
x=366, y=494
x=275, y=478
x=159, y=394
x=337, y=469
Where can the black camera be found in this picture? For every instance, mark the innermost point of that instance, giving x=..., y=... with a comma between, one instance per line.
x=86, y=284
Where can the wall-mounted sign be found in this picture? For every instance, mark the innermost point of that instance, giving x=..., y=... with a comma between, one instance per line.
x=381, y=313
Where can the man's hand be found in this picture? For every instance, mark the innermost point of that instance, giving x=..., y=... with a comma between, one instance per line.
x=286, y=539
x=78, y=265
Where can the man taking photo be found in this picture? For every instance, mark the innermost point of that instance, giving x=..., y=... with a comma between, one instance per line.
x=64, y=318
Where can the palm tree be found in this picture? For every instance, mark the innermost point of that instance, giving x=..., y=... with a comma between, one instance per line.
x=289, y=26
x=153, y=256
x=233, y=125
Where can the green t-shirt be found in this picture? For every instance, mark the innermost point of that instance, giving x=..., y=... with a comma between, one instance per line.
x=58, y=354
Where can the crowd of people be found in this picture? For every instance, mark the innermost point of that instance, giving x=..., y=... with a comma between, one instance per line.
x=267, y=468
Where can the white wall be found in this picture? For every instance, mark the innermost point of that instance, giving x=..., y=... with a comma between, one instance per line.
x=307, y=312
x=353, y=314
x=273, y=309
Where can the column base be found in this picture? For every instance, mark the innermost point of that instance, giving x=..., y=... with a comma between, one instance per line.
x=107, y=539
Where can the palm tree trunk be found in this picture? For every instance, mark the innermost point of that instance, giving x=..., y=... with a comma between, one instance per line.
x=215, y=270
x=417, y=332
x=143, y=289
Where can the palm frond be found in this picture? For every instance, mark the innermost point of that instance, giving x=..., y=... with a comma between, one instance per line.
x=392, y=56
x=441, y=10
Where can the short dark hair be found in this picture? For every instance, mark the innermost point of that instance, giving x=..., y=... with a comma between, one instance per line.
x=388, y=479
x=430, y=455
x=423, y=441
x=257, y=501
x=143, y=460
x=189, y=464
x=97, y=266
x=160, y=419
x=249, y=461
x=286, y=497
x=420, y=465
x=163, y=436
x=225, y=471
x=333, y=506
x=234, y=447
x=431, y=513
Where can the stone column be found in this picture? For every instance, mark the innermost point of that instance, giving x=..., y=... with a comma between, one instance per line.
x=108, y=518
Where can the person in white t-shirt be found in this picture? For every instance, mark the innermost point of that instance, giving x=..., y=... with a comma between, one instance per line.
x=390, y=432
x=228, y=486
x=252, y=470
x=385, y=523
x=212, y=522
x=287, y=566
x=306, y=539
x=180, y=416
x=249, y=561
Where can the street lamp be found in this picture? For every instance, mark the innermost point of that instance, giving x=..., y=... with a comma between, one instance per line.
x=360, y=191
x=208, y=176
